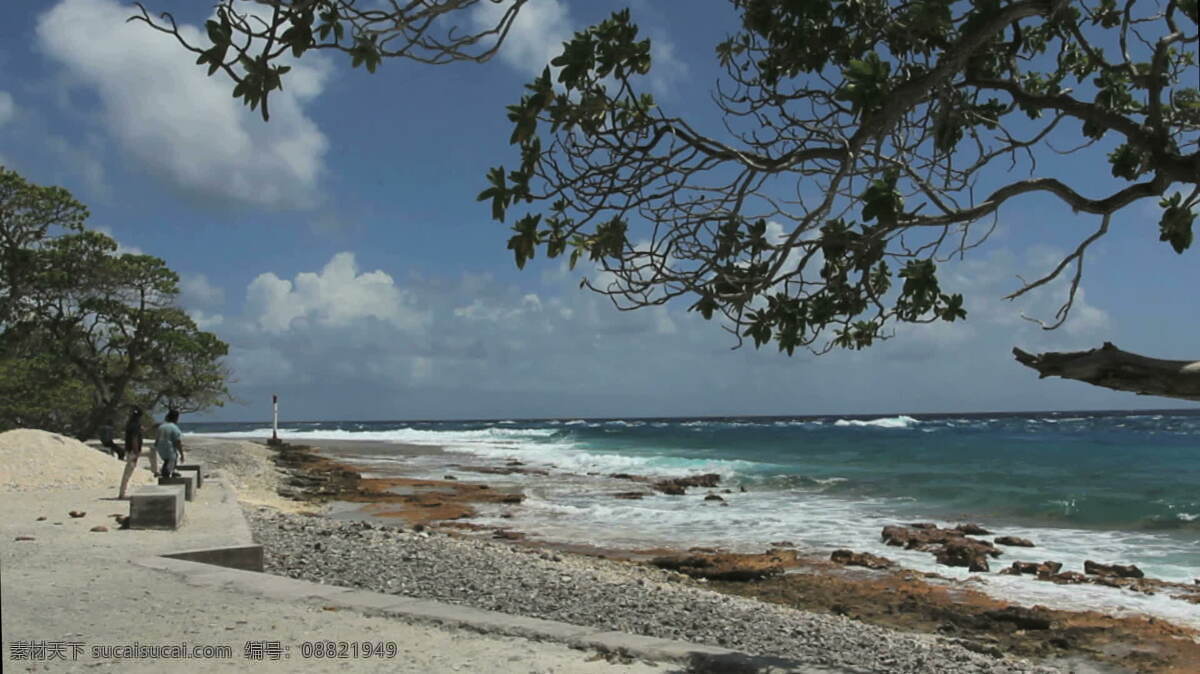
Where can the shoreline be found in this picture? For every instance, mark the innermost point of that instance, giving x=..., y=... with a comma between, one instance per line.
x=898, y=599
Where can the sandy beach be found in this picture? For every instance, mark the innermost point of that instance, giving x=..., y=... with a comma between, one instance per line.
x=852, y=610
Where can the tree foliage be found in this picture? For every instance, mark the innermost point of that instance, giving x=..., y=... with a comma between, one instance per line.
x=251, y=41
x=864, y=142
x=89, y=329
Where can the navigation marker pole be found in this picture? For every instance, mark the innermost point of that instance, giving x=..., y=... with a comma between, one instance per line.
x=274, y=421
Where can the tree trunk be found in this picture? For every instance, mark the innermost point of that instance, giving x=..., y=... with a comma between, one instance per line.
x=1113, y=368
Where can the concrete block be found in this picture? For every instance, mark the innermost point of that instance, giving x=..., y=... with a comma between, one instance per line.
x=193, y=467
x=188, y=482
x=244, y=557
x=156, y=507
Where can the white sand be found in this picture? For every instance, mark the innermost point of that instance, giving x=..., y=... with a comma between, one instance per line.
x=33, y=460
x=248, y=466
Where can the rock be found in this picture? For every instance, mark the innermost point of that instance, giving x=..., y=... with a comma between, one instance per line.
x=1014, y=540
x=789, y=544
x=729, y=566
x=972, y=530
x=99, y=528
x=677, y=562
x=1022, y=618
x=449, y=477
x=1068, y=578
x=1118, y=570
x=678, y=486
x=42, y=518
x=507, y=535
x=24, y=538
x=514, y=462
x=851, y=558
x=713, y=497
x=513, y=498
x=77, y=513
x=629, y=495
x=1043, y=569
x=964, y=552
x=923, y=525
x=918, y=537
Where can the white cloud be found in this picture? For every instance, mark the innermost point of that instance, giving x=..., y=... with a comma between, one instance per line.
x=197, y=291
x=182, y=125
x=336, y=296
x=205, y=321
x=536, y=35
x=8, y=109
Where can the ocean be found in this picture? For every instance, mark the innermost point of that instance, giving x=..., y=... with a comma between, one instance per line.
x=1113, y=487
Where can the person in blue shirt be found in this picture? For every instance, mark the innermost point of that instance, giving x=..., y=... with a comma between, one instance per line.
x=168, y=442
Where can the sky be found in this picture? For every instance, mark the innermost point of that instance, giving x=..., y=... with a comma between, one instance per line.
x=340, y=252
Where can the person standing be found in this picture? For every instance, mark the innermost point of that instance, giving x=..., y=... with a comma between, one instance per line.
x=133, y=448
x=168, y=442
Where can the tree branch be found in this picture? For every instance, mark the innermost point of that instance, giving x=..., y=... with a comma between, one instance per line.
x=1119, y=370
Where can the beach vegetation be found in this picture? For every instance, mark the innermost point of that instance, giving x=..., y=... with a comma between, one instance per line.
x=86, y=328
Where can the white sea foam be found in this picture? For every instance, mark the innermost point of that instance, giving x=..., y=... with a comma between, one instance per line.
x=901, y=421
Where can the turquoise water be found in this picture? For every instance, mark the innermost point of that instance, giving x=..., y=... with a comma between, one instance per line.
x=1107, y=471
x=1110, y=487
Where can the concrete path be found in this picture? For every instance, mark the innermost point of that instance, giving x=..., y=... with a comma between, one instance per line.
x=71, y=593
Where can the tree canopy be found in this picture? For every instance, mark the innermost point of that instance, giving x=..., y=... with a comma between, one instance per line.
x=860, y=145
x=86, y=329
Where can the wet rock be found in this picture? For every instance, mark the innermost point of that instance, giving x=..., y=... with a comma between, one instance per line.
x=99, y=528
x=729, y=566
x=972, y=529
x=678, y=486
x=449, y=477
x=1044, y=569
x=670, y=489
x=513, y=498
x=1068, y=578
x=629, y=495
x=43, y=519
x=923, y=525
x=713, y=497
x=24, y=538
x=851, y=558
x=789, y=544
x=919, y=538
x=1014, y=540
x=964, y=552
x=1117, y=570
x=77, y=513
x=508, y=535
x=1022, y=618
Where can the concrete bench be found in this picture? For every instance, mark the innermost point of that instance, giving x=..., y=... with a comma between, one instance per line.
x=188, y=482
x=160, y=507
x=192, y=468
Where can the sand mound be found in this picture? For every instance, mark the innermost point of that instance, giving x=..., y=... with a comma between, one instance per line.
x=248, y=466
x=32, y=460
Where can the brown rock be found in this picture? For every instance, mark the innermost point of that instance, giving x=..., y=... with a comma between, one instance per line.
x=513, y=498
x=851, y=558
x=99, y=528
x=42, y=518
x=1034, y=618
x=729, y=566
x=1013, y=540
x=678, y=486
x=1068, y=578
x=789, y=544
x=449, y=477
x=713, y=497
x=24, y=538
x=629, y=495
x=507, y=535
x=972, y=530
x=77, y=513
x=1118, y=570
x=964, y=552
x=1043, y=569
x=923, y=525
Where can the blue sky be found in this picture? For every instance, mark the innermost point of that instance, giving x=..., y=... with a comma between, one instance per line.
x=340, y=251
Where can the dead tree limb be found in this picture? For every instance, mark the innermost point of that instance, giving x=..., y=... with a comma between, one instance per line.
x=1113, y=368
